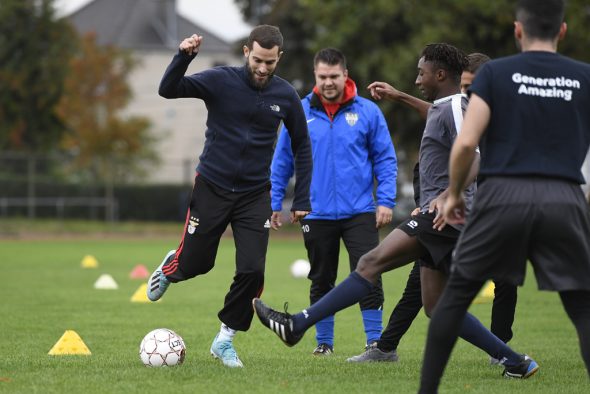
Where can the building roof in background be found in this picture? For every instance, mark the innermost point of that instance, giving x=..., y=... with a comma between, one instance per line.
x=142, y=24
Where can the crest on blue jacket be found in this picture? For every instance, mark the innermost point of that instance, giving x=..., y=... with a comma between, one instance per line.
x=351, y=118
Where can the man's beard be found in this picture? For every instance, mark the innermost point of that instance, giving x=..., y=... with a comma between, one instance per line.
x=257, y=84
x=332, y=97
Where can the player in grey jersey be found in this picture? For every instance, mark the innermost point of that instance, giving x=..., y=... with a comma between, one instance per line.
x=424, y=236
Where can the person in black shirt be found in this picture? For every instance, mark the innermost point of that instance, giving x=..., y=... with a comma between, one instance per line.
x=529, y=115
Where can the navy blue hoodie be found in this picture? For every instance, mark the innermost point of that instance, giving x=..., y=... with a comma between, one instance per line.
x=242, y=126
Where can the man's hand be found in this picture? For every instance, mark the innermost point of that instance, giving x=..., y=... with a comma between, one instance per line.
x=383, y=216
x=275, y=220
x=191, y=44
x=415, y=212
x=454, y=210
x=381, y=90
x=296, y=216
x=437, y=206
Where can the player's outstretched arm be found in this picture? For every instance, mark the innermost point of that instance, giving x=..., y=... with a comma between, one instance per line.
x=382, y=90
x=173, y=85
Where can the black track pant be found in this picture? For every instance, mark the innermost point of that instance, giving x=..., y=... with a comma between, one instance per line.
x=503, y=309
x=404, y=312
x=322, y=241
x=211, y=210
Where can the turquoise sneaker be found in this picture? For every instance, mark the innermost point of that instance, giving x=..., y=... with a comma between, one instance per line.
x=224, y=350
x=157, y=283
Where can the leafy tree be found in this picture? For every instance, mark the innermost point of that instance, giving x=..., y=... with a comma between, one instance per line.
x=34, y=51
x=104, y=144
x=382, y=40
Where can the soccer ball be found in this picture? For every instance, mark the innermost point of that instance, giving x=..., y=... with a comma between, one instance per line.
x=300, y=268
x=162, y=348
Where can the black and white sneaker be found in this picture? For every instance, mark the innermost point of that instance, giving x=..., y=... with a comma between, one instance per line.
x=527, y=368
x=280, y=323
x=323, y=349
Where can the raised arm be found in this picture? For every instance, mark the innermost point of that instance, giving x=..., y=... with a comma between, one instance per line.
x=174, y=84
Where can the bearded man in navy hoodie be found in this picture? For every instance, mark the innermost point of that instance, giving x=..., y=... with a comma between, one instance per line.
x=246, y=105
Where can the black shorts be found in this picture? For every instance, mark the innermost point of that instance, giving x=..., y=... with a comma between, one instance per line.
x=439, y=244
x=515, y=219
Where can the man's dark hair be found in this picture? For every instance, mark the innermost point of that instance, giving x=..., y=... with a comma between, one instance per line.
x=266, y=36
x=446, y=57
x=475, y=61
x=330, y=56
x=541, y=19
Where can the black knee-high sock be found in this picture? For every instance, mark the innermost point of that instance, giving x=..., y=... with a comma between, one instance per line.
x=350, y=291
x=577, y=306
x=445, y=325
x=477, y=334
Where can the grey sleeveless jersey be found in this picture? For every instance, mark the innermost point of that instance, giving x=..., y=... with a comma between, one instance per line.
x=443, y=122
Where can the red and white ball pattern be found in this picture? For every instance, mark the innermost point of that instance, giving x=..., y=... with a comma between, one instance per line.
x=162, y=348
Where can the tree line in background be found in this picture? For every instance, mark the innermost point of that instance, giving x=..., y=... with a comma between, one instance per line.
x=382, y=40
x=62, y=92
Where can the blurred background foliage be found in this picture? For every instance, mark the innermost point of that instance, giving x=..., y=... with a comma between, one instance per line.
x=34, y=52
x=61, y=93
x=41, y=57
x=382, y=40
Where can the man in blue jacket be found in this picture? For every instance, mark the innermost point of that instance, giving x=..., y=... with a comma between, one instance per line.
x=245, y=107
x=351, y=147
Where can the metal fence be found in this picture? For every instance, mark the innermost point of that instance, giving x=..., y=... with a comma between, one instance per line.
x=37, y=185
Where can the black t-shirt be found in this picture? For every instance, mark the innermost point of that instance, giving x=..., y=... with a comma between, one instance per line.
x=540, y=115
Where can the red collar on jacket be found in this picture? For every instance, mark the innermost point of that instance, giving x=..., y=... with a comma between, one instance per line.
x=348, y=95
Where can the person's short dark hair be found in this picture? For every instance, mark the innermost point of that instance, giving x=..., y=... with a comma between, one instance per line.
x=541, y=19
x=266, y=36
x=475, y=61
x=330, y=56
x=446, y=57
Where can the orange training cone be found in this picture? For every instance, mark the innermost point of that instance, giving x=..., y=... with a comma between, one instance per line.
x=139, y=272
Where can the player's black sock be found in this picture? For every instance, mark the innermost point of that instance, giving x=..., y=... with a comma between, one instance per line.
x=350, y=291
x=475, y=333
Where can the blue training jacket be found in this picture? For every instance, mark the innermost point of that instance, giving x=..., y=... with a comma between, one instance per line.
x=348, y=154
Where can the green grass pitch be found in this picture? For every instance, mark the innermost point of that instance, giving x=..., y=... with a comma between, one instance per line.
x=44, y=292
